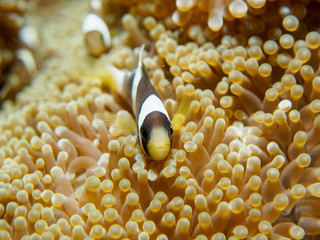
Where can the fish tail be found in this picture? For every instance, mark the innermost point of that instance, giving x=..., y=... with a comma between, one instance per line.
x=113, y=78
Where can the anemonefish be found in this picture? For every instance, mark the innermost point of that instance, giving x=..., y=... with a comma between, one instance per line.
x=153, y=122
x=96, y=34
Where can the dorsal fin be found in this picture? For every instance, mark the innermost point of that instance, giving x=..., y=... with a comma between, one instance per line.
x=140, y=55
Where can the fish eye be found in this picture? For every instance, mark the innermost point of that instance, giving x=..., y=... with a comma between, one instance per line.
x=144, y=133
x=171, y=130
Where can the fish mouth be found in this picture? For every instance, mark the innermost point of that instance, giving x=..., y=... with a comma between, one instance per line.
x=159, y=152
x=159, y=145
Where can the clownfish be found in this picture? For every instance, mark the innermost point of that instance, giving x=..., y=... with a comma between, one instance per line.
x=153, y=122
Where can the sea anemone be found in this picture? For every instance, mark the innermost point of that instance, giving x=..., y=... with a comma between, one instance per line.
x=242, y=93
